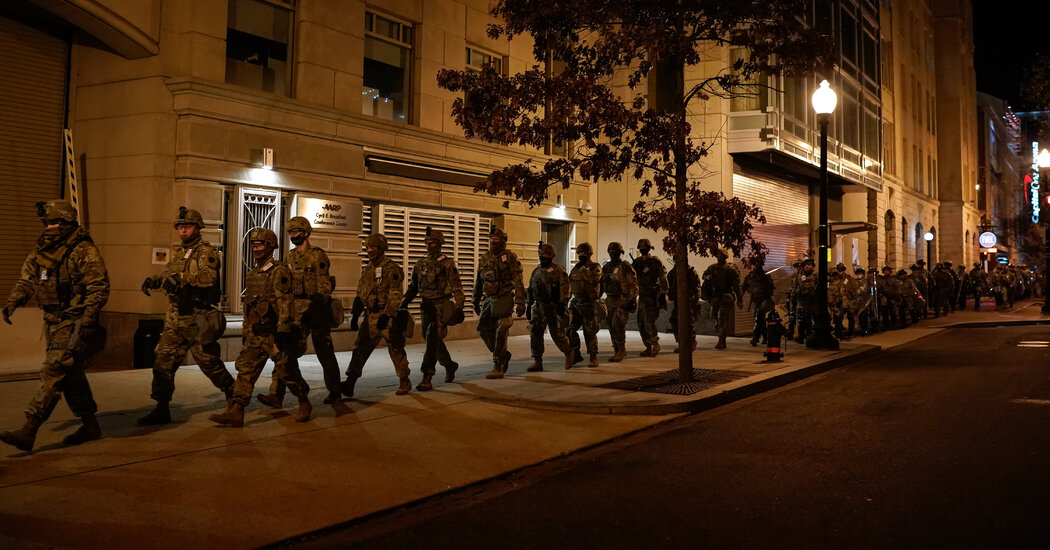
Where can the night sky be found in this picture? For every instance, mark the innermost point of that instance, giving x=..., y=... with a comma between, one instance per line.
x=1006, y=37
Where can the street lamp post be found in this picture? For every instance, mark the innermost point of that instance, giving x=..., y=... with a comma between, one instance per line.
x=928, y=236
x=824, y=100
x=1044, y=161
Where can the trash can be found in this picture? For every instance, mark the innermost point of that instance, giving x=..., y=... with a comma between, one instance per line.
x=147, y=336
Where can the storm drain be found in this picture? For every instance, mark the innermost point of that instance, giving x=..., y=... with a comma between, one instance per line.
x=667, y=382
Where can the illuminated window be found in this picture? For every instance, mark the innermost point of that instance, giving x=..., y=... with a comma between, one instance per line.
x=388, y=60
x=259, y=44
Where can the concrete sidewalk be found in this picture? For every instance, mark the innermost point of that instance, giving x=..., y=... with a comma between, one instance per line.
x=192, y=483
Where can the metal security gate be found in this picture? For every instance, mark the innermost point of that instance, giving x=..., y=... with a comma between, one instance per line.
x=255, y=208
x=786, y=232
x=33, y=76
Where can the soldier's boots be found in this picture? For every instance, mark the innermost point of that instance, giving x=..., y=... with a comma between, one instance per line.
x=161, y=414
x=619, y=355
x=229, y=397
x=721, y=343
x=647, y=352
x=593, y=363
x=497, y=372
x=404, y=387
x=305, y=408
x=347, y=387
x=450, y=372
x=426, y=384
x=655, y=350
x=89, y=430
x=333, y=397
x=271, y=400
x=233, y=416
x=537, y=365
x=23, y=437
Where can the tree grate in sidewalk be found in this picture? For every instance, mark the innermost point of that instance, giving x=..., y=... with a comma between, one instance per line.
x=667, y=382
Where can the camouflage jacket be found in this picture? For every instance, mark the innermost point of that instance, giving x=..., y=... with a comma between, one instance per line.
x=758, y=284
x=618, y=281
x=549, y=285
x=724, y=281
x=499, y=275
x=585, y=281
x=436, y=278
x=380, y=287
x=310, y=273
x=76, y=287
x=843, y=292
x=268, y=301
x=651, y=276
x=693, y=283
x=196, y=268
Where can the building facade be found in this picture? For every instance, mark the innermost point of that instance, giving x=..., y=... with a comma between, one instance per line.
x=253, y=111
x=1003, y=198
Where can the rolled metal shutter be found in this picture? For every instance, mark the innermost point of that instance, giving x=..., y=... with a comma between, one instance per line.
x=33, y=77
x=786, y=232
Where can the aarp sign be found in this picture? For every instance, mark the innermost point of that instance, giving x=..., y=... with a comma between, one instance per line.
x=329, y=213
x=987, y=239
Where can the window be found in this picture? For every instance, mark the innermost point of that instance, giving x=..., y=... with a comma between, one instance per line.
x=388, y=57
x=259, y=45
x=476, y=60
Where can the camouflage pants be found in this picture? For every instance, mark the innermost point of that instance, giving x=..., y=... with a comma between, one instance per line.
x=617, y=318
x=368, y=337
x=62, y=378
x=434, y=334
x=692, y=326
x=493, y=331
x=762, y=308
x=583, y=316
x=546, y=317
x=321, y=336
x=180, y=336
x=720, y=310
x=255, y=351
x=648, y=312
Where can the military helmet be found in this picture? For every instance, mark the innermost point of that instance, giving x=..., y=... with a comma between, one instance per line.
x=188, y=216
x=807, y=261
x=858, y=269
x=840, y=267
x=547, y=249
x=300, y=223
x=56, y=209
x=584, y=248
x=495, y=231
x=263, y=234
x=434, y=235
x=948, y=263
x=615, y=246
x=377, y=240
x=914, y=267
x=902, y=272
x=920, y=261
x=644, y=243
x=887, y=268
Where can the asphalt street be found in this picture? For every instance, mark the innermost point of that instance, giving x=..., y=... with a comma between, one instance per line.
x=941, y=443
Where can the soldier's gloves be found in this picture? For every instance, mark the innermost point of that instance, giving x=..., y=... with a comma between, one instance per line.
x=354, y=326
x=632, y=306
x=7, y=311
x=662, y=301
x=171, y=284
x=519, y=310
x=382, y=322
x=147, y=285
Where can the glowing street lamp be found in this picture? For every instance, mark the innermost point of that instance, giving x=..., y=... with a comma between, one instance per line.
x=824, y=101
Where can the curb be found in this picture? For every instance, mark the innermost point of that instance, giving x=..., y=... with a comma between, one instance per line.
x=708, y=399
x=992, y=324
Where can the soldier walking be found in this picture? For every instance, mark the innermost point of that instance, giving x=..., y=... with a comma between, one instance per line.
x=436, y=279
x=759, y=285
x=498, y=296
x=193, y=321
x=804, y=292
x=652, y=296
x=693, y=283
x=68, y=279
x=621, y=292
x=312, y=287
x=268, y=331
x=379, y=294
x=723, y=282
x=585, y=310
x=547, y=308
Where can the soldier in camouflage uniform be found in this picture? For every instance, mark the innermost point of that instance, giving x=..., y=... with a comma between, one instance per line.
x=965, y=286
x=193, y=321
x=312, y=287
x=723, y=281
x=436, y=279
x=499, y=294
x=921, y=277
x=843, y=297
x=804, y=292
x=943, y=290
x=547, y=307
x=911, y=298
x=953, y=297
x=652, y=296
x=68, y=279
x=269, y=331
x=862, y=300
x=979, y=284
x=759, y=285
x=621, y=292
x=889, y=298
x=585, y=310
x=693, y=282
x=379, y=294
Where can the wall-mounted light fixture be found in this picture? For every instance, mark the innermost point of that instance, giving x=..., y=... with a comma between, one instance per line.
x=584, y=206
x=263, y=158
x=561, y=202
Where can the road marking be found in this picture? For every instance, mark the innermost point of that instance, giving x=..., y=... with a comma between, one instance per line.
x=1031, y=401
x=1033, y=344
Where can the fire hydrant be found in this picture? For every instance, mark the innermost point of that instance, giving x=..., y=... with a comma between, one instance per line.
x=774, y=337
